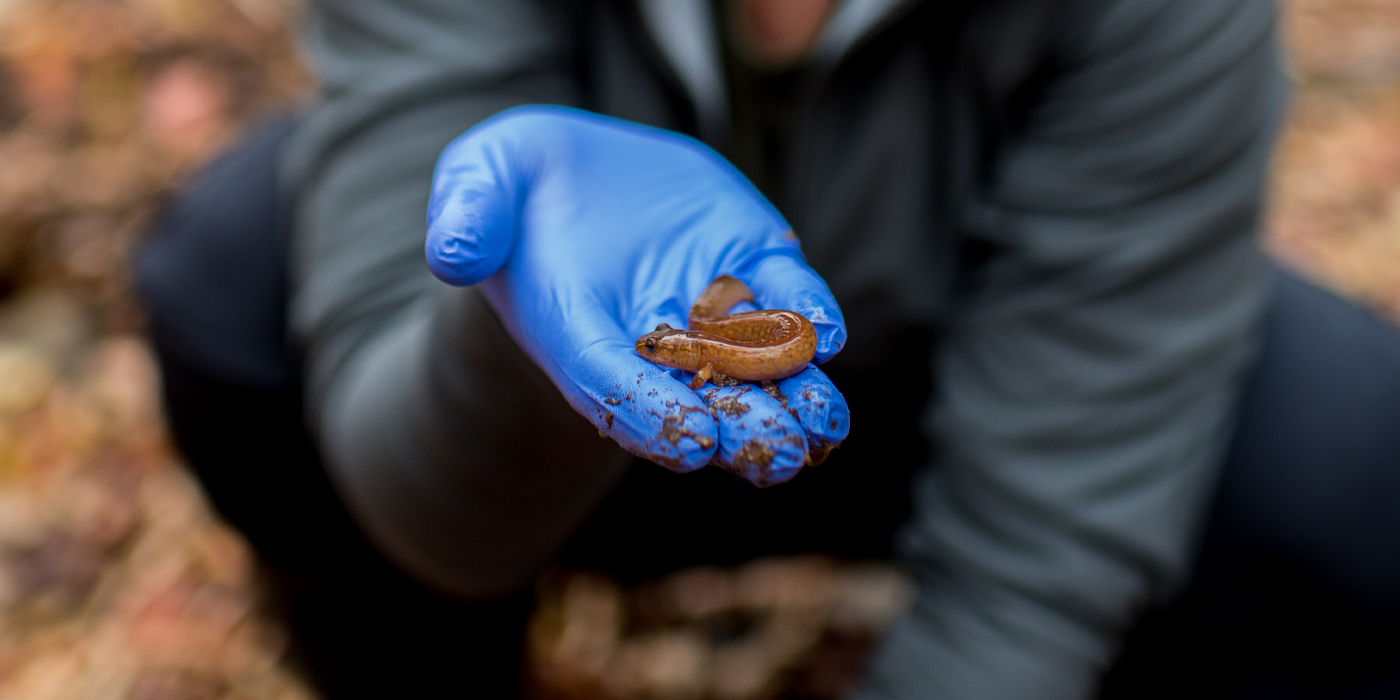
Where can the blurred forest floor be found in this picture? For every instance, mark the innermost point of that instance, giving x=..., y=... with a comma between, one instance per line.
x=116, y=581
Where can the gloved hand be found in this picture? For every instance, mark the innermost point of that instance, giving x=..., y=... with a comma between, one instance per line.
x=585, y=232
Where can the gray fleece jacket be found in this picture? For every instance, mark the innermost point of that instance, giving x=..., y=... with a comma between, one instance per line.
x=1067, y=191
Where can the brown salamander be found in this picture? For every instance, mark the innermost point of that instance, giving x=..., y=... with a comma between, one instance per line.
x=752, y=346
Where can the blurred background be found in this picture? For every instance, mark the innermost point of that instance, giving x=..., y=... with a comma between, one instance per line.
x=117, y=581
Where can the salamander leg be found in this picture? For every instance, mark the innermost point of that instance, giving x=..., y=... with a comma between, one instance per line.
x=702, y=376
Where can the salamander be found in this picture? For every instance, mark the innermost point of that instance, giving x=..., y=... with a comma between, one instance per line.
x=752, y=346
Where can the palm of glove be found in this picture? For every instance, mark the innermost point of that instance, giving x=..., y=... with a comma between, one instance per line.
x=586, y=232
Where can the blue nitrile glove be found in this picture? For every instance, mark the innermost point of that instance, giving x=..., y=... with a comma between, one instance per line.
x=585, y=232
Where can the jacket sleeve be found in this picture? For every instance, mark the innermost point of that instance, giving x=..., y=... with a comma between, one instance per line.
x=1089, y=382
x=427, y=413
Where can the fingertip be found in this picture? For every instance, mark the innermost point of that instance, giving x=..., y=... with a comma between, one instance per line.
x=758, y=439
x=786, y=282
x=831, y=337
x=472, y=211
x=454, y=260
x=818, y=406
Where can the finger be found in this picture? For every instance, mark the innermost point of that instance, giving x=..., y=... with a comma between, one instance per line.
x=472, y=213
x=644, y=407
x=785, y=282
x=758, y=438
x=820, y=408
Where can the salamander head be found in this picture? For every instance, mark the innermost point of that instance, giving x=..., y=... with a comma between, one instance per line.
x=652, y=342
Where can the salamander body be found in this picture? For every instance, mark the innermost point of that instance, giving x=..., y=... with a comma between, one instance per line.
x=751, y=346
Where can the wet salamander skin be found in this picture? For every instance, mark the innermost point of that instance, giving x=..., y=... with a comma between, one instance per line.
x=752, y=346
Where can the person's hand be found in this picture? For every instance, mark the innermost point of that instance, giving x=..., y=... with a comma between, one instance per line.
x=585, y=232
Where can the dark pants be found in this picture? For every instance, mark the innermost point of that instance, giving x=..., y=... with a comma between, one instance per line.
x=1296, y=594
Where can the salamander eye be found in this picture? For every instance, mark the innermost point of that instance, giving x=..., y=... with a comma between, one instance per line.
x=651, y=343
x=661, y=327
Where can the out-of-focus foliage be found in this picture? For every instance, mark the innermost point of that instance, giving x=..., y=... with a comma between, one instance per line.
x=116, y=581
x=103, y=105
x=792, y=627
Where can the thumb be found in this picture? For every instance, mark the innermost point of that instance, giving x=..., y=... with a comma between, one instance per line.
x=478, y=187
